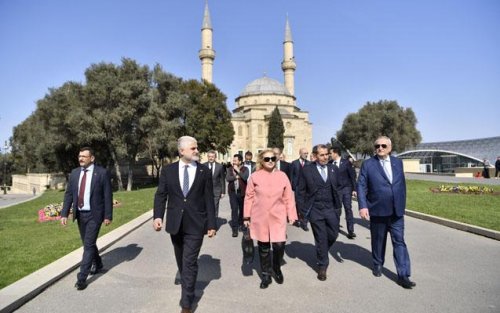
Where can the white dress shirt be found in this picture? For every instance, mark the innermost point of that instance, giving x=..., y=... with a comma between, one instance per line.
x=191, y=172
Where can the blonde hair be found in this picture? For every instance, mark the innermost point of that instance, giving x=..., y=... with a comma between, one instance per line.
x=260, y=157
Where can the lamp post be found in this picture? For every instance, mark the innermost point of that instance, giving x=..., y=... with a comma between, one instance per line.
x=5, y=168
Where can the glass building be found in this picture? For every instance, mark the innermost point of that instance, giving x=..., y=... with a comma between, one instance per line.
x=444, y=157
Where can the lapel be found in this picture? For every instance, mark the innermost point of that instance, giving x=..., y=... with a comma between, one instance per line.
x=93, y=180
x=316, y=173
x=175, y=176
x=197, y=177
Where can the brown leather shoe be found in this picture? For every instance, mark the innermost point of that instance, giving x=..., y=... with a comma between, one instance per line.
x=322, y=274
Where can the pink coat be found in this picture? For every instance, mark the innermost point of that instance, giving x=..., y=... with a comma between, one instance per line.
x=268, y=202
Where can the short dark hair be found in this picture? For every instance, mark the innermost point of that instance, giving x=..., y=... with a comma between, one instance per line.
x=248, y=153
x=335, y=149
x=89, y=149
x=212, y=152
x=317, y=147
x=239, y=156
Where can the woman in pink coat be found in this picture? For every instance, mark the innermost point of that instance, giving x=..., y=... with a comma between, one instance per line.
x=268, y=203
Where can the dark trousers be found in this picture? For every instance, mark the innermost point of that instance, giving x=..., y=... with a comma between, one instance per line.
x=379, y=227
x=347, y=204
x=89, y=230
x=236, y=202
x=325, y=227
x=187, y=248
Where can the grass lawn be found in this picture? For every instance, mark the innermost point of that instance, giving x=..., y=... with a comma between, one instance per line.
x=27, y=245
x=479, y=210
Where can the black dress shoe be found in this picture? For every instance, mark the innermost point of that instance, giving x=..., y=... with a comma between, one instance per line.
x=235, y=232
x=322, y=274
x=81, y=284
x=297, y=224
x=351, y=235
x=377, y=270
x=304, y=226
x=405, y=282
x=265, y=282
x=95, y=269
x=278, y=277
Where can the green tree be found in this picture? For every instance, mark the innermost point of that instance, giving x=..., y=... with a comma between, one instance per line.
x=206, y=116
x=359, y=130
x=276, y=130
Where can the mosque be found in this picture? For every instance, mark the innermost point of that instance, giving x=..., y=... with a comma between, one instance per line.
x=259, y=98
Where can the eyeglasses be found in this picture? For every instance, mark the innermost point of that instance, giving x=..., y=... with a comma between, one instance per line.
x=381, y=146
x=269, y=159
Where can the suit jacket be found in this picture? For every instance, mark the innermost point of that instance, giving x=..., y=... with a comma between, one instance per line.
x=346, y=175
x=101, y=195
x=253, y=166
x=242, y=180
x=196, y=211
x=285, y=167
x=376, y=193
x=309, y=184
x=296, y=172
x=218, y=179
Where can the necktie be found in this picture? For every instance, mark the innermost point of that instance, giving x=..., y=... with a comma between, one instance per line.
x=323, y=172
x=81, y=192
x=185, y=183
x=301, y=163
x=387, y=170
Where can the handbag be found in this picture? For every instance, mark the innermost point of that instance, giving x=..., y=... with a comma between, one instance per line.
x=247, y=246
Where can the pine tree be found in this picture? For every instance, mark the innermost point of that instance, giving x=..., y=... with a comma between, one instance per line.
x=276, y=130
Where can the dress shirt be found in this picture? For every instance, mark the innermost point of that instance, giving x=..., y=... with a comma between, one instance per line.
x=88, y=181
x=191, y=172
x=386, y=165
x=322, y=168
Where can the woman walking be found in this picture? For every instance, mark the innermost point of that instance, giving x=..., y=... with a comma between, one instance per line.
x=269, y=202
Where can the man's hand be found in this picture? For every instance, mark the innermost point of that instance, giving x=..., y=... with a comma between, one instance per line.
x=157, y=223
x=222, y=195
x=107, y=222
x=211, y=233
x=64, y=221
x=363, y=213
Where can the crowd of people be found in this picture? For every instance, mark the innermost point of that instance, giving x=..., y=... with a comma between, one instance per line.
x=264, y=197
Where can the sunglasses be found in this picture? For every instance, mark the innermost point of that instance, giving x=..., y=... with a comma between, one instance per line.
x=381, y=146
x=269, y=159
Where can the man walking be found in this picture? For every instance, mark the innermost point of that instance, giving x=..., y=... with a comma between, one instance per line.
x=249, y=164
x=497, y=167
x=382, y=199
x=187, y=185
x=89, y=193
x=237, y=177
x=282, y=165
x=318, y=200
x=295, y=173
x=347, y=186
x=218, y=179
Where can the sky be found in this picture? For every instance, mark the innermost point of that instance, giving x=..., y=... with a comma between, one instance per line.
x=439, y=58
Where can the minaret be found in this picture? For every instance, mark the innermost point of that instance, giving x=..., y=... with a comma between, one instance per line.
x=206, y=53
x=288, y=65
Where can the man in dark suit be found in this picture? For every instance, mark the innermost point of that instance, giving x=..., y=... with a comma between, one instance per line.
x=237, y=177
x=218, y=179
x=347, y=186
x=382, y=199
x=282, y=165
x=249, y=164
x=318, y=200
x=89, y=193
x=295, y=173
x=187, y=185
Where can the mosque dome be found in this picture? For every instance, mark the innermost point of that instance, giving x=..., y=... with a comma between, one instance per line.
x=264, y=86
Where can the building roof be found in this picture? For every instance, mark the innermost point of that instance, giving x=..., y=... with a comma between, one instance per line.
x=264, y=86
x=478, y=149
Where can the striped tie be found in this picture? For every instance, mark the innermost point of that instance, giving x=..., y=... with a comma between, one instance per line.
x=185, y=183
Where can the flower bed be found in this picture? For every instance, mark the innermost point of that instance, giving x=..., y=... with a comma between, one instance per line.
x=52, y=212
x=477, y=190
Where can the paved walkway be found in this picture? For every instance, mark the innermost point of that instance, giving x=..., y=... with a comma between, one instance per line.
x=13, y=198
x=455, y=272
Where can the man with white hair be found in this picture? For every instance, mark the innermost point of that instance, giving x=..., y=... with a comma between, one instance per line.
x=187, y=190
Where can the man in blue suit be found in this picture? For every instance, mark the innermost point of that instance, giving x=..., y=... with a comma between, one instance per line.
x=185, y=192
x=382, y=199
x=296, y=174
x=347, y=186
x=318, y=200
x=89, y=193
